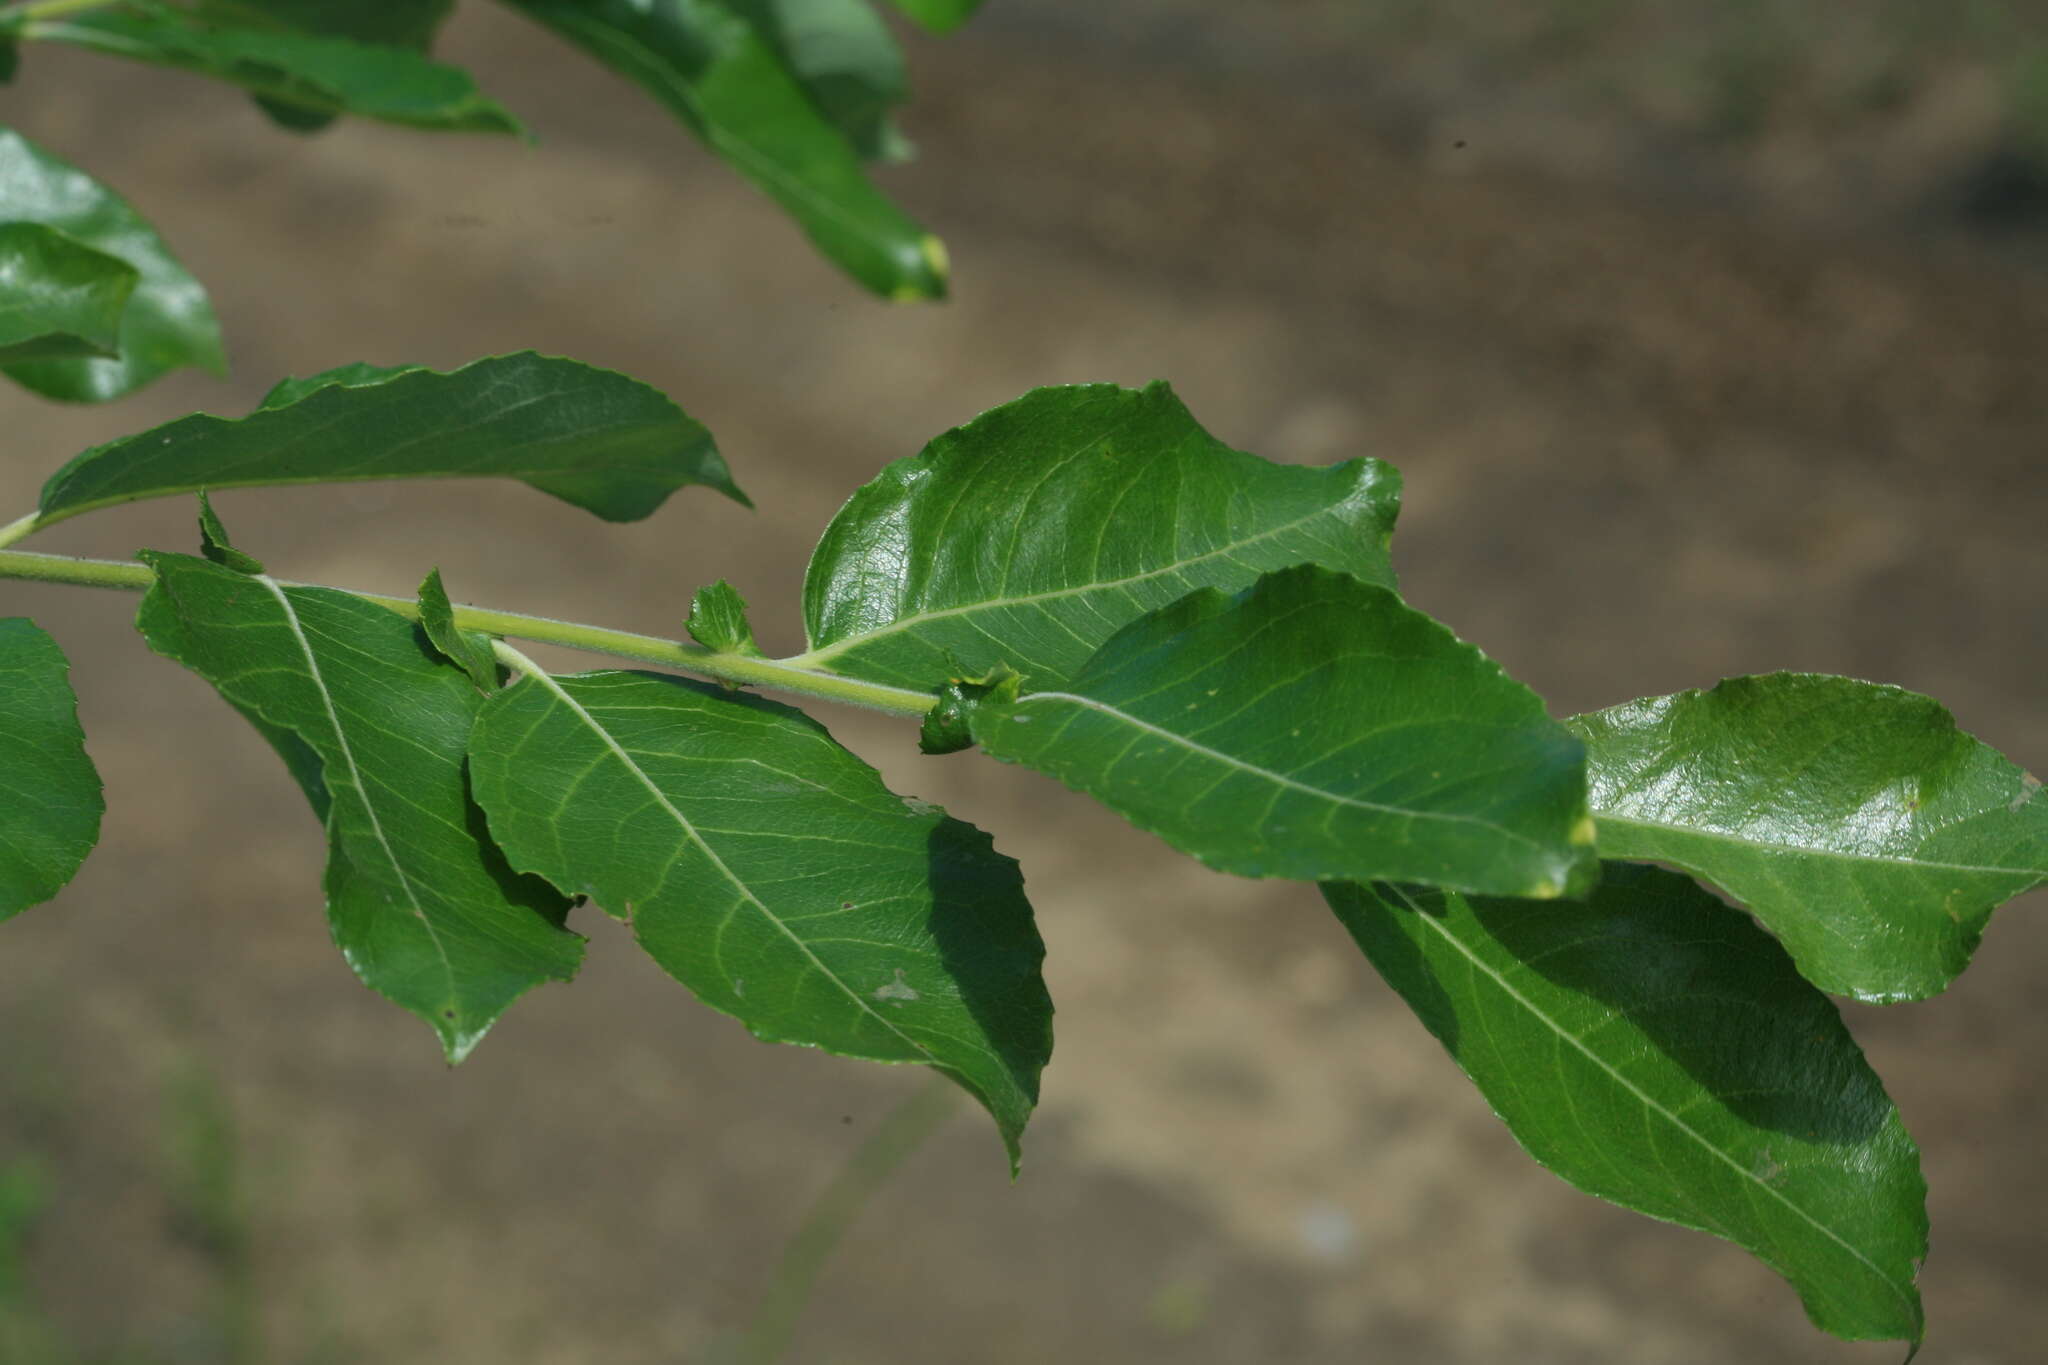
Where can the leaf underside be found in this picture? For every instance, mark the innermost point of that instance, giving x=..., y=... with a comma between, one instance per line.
x=1652, y=1046
x=591, y=437
x=1856, y=821
x=1032, y=534
x=420, y=902
x=771, y=872
x=1315, y=727
x=50, y=801
x=166, y=323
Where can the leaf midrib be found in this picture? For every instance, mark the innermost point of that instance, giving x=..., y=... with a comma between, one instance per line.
x=1606, y=821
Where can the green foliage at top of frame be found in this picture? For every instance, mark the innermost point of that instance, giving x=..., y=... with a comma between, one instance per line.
x=1086, y=582
x=796, y=95
x=162, y=321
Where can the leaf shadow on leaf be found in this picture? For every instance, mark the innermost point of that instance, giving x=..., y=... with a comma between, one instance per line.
x=994, y=957
x=1406, y=963
x=1662, y=982
x=521, y=888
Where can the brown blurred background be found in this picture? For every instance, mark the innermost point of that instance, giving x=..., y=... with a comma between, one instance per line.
x=1709, y=339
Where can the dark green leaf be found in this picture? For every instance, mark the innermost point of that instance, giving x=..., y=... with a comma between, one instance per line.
x=606, y=443
x=1653, y=1047
x=1031, y=534
x=1856, y=821
x=214, y=542
x=50, y=803
x=309, y=71
x=940, y=16
x=468, y=650
x=10, y=59
x=167, y=323
x=418, y=898
x=398, y=23
x=849, y=63
x=771, y=872
x=715, y=65
x=718, y=620
x=1314, y=727
x=59, y=298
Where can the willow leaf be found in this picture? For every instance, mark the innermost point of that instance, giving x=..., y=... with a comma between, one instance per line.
x=1314, y=727
x=1856, y=821
x=420, y=902
x=468, y=650
x=717, y=66
x=849, y=63
x=1033, y=533
x=771, y=872
x=718, y=620
x=59, y=298
x=50, y=802
x=398, y=23
x=1652, y=1046
x=166, y=323
x=606, y=443
x=940, y=16
x=310, y=71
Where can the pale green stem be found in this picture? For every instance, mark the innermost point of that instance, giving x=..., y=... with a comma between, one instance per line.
x=732, y=668
x=19, y=530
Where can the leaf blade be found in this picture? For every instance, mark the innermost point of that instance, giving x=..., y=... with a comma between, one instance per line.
x=1623, y=1006
x=1868, y=832
x=59, y=298
x=771, y=872
x=715, y=66
x=1106, y=503
x=420, y=902
x=591, y=437
x=167, y=323
x=50, y=797
x=1312, y=727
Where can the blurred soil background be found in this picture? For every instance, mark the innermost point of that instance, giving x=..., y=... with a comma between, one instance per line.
x=1710, y=339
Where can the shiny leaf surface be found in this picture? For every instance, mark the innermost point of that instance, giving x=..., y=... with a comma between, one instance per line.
x=50, y=802
x=419, y=900
x=599, y=440
x=1856, y=821
x=167, y=322
x=717, y=66
x=850, y=65
x=59, y=298
x=1314, y=727
x=771, y=872
x=1033, y=533
x=1652, y=1046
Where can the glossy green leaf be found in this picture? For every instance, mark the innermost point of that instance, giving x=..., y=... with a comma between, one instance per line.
x=59, y=298
x=468, y=650
x=320, y=74
x=1856, y=821
x=771, y=872
x=599, y=440
x=716, y=65
x=399, y=23
x=1314, y=727
x=50, y=802
x=419, y=900
x=940, y=16
x=167, y=322
x=1652, y=1046
x=1033, y=533
x=849, y=63
x=718, y=620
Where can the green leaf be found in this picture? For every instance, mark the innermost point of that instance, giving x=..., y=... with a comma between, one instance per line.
x=397, y=23
x=468, y=650
x=771, y=872
x=50, y=802
x=214, y=542
x=59, y=298
x=849, y=63
x=167, y=323
x=309, y=71
x=718, y=620
x=1856, y=821
x=1033, y=533
x=599, y=440
x=940, y=16
x=716, y=66
x=419, y=900
x=1314, y=727
x=1653, y=1047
